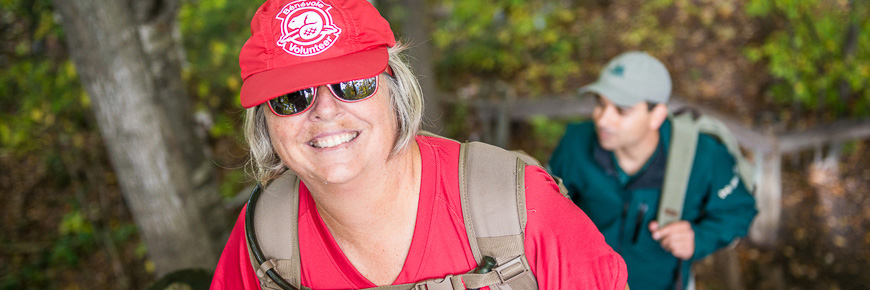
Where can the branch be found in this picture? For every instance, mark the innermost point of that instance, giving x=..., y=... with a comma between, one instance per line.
x=850, y=42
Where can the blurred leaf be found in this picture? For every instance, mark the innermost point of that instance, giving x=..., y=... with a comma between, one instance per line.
x=808, y=55
x=74, y=223
x=549, y=132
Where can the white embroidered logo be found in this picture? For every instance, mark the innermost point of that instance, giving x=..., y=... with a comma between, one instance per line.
x=306, y=28
x=729, y=188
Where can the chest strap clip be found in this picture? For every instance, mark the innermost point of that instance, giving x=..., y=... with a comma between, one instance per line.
x=445, y=283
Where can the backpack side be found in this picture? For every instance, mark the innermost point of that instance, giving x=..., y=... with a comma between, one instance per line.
x=686, y=127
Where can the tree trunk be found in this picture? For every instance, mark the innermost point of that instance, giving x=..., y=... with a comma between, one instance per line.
x=129, y=63
x=416, y=31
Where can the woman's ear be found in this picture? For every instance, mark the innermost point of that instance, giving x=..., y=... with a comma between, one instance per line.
x=658, y=115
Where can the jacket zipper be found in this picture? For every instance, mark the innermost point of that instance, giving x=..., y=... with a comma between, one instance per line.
x=622, y=226
x=641, y=212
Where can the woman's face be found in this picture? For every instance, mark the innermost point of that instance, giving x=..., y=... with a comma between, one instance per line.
x=335, y=141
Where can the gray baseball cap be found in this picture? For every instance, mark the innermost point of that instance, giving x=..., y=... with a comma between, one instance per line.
x=630, y=78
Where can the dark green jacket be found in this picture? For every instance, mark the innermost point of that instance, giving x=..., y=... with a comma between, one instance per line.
x=623, y=210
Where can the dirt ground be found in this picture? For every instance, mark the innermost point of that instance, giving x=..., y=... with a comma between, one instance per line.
x=824, y=242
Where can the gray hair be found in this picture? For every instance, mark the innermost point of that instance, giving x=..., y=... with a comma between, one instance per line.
x=406, y=101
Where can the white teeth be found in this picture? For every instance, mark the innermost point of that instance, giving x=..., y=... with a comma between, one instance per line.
x=333, y=140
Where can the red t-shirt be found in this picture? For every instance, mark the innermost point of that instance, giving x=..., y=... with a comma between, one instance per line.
x=564, y=248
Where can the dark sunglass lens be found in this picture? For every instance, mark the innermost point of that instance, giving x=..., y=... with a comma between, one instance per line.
x=356, y=89
x=292, y=103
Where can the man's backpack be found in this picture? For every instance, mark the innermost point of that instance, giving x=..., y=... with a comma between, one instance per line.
x=686, y=126
x=492, y=192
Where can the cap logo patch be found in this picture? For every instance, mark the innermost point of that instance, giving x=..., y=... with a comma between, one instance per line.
x=306, y=28
x=618, y=70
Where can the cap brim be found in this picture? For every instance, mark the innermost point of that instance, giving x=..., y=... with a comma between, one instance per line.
x=614, y=95
x=266, y=85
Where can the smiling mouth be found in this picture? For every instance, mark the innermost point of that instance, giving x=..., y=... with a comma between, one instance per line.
x=334, y=140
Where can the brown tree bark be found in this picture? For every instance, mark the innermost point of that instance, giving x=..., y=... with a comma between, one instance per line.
x=128, y=58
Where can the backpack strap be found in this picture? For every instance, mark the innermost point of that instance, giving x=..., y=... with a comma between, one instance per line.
x=277, y=215
x=681, y=155
x=494, y=218
x=716, y=128
x=687, y=125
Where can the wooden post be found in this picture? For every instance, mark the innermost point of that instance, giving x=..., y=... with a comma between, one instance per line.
x=768, y=198
x=502, y=125
x=727, y=266
x=484, y=117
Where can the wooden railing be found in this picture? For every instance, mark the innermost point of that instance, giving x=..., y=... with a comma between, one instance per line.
x=767, y=147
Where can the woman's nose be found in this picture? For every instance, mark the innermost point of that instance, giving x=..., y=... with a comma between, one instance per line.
x=326, y=106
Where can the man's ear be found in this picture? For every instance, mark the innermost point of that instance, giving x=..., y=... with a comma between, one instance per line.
x=658, y=115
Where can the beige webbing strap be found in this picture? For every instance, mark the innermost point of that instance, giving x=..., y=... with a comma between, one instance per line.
x=678, y=168
x=714, y=127
x=276, y=220
x=486, y=208
x=466, y=205
x=514, y=274
x=494, y=210
x=501, y=247
x=450, y=282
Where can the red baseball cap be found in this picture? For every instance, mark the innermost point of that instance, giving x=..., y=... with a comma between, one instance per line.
x=296, y=44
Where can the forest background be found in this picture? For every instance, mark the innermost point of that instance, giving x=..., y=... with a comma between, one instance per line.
x=70, y=220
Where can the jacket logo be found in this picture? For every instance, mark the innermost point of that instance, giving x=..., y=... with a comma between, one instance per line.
x=306, y=28
x=729, y=188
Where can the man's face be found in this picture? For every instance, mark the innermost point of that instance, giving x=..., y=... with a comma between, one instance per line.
x=621, y=128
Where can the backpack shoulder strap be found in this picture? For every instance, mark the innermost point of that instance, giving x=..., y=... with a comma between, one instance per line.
x=492, y=191
x=271, y=228
x=681, y=155
x=716, y=128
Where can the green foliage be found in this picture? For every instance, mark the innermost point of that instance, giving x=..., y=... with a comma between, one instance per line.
x=32, y=275
x=809, y=55
x=42, y=94
x=537, y=46
x=74, y=223
x=529, y=42
x=45, y=118
x=456, y=125
x=69, y=249
x=234, y=181
x=214, y=32
x=547, y=133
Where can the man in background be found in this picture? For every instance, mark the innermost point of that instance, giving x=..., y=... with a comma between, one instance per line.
x=614, y=168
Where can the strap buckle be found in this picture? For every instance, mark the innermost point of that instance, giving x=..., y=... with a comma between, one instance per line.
x=266, y=266
x=435, y=284
x=511, y=269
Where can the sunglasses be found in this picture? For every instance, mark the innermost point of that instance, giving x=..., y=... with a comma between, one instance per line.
x=297, y=102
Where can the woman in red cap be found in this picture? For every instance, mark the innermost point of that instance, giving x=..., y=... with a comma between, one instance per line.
x=332, y=121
